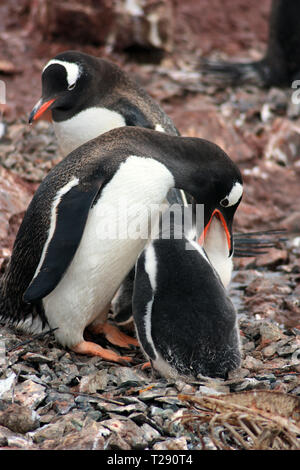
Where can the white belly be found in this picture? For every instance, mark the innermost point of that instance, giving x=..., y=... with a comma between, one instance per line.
x=216, y=248
x=115, y=233
x=86, y=125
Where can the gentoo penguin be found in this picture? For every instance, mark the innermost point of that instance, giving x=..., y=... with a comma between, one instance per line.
x=70, y=257
x=88, y=96
x=281, y=64
x=185, y=322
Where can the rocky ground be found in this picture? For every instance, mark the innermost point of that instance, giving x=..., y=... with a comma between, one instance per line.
x=51, y=398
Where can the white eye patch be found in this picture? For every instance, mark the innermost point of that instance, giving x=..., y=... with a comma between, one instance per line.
x=234, y=195
x=73, y=70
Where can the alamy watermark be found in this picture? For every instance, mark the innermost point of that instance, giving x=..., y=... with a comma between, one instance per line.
x=2, y=92
x=127, y=221
x=296, y=94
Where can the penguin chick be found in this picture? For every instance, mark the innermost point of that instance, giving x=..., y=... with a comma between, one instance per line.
x=185, y=322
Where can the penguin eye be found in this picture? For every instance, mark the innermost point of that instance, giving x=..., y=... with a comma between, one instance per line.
x=224, y=202
x=71, y=87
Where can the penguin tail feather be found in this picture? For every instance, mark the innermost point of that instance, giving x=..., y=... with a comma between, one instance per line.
x=251, y=244
x=235, y=73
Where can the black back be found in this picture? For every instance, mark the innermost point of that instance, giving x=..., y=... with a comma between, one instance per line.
x=193, y=322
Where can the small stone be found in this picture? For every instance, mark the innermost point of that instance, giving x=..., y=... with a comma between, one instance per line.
x=126, y=374
x=238, y=374
x=203, y=390
x=91, y=437
x=20, y=419
x=15, y=440
x=94, y=415
x=149, y=433
x=270, y=377
x=179, y=443
x=156, y=411
x=47, y=418
x=280, y=387
x=247, y=384
x=36, y=358
x=115, y=408
x=151, y=394
x=128, y=431
x=23, y=370
x=270, y=350
x=94, y=382
x=174, y=401
x=49, y=431
x=183, y=387
x=3, y=441
x=28, y=393
x=252, y=364
x=269, y=332
x=62, y=407
x=6, y=386
x=287, y=350
x=248, y=346
x=115, y=442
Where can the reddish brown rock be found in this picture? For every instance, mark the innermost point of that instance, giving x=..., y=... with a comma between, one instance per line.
x=199, y=118
x=145, y=23
x=273, y=258
x=283, y=146
x=292, y=222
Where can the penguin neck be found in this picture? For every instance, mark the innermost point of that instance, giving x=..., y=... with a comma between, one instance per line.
x=216, y=248
x=191, y=164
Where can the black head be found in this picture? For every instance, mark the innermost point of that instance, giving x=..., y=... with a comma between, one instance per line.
x=205, y=171
x=66, y=81
x=222, y=205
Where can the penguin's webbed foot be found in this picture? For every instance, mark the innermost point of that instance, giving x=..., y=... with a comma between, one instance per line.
x=93, y=349
x=115, y=336
x=146, y=365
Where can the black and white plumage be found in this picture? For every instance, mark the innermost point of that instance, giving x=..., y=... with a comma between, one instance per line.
x=62, y=269
x=185, y=322
x=88, y=96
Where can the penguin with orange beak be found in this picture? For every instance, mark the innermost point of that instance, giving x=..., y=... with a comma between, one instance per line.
x=65, y=267
x=184, y=319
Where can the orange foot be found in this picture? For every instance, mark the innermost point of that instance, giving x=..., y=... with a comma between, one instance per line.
x=114, y=335
x=93, y=349
x=146, y=365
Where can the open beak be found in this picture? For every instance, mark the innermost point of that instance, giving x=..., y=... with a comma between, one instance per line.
x=217, y=213
x=39, y=109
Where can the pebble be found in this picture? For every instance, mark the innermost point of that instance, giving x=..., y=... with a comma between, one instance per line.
x=179, y=443
x=252, y=363
x=149, y=432
x=128, y=431
x=96, y=381
x=48, y=431
x=269, y=332
x=27, y=393
x=20, y=419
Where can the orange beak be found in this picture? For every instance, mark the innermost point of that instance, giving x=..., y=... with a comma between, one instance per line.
x=39, y=109
x=218, y=214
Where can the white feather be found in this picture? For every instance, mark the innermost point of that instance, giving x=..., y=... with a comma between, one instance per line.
x=216, y=248
x=84, y=126
x=72, y=70
x=235, y=194
x=100, y=264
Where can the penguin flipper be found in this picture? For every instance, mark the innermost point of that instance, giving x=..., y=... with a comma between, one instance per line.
x=68, y=222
